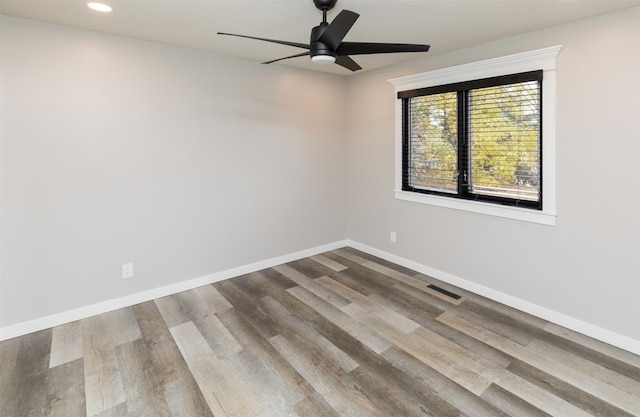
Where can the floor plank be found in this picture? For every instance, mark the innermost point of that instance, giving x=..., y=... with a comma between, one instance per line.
x=266, y=359
x=448, y=398
x=511, y=404
x=315, y=406
x=103, y=385
x=342, y=397
x=228, y=384
x=165, y=355
x=184, y=399
x=65, y=390
x=566, y=391
x=143, y=387
x=67, y=343
x=24, y=390
x=342, y=320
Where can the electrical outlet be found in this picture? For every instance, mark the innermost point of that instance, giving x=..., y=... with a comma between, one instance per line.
x=392, y=236
x=127, y=270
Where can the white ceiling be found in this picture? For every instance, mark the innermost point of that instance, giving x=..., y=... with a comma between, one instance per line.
x=444, y=24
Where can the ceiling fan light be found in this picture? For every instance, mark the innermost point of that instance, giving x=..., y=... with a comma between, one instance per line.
x=323, y=59
x=100, y=7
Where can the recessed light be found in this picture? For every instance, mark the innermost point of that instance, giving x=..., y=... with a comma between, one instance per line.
x=100, y=7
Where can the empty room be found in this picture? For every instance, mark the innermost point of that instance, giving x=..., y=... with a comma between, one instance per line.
x=230, y=208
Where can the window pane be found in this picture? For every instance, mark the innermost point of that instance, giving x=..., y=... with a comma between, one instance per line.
x=433, y=142
x=504, y=129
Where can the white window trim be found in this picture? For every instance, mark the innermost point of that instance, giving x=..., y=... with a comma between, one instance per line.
x=541, y=59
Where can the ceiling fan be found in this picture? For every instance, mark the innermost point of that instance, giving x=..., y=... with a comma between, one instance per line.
x=326, y=44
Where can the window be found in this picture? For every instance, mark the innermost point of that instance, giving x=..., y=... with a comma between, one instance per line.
x=480, y=137
x=479, y=140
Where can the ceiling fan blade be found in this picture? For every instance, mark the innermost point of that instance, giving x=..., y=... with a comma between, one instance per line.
x=297, y=45
x=363, y=48
x=338, y=28
x=287, y=57
x=348, y=63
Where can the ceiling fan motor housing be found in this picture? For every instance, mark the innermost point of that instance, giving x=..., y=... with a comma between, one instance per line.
x=317, y=47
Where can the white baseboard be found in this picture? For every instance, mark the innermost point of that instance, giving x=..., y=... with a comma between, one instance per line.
x=579, y=326
x=599, y=333
x=21, y=329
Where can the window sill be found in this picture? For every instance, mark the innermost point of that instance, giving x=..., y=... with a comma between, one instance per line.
x=514, y=213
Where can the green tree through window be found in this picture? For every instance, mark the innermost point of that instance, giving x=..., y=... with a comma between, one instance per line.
x=434, y=141
x=504, y=127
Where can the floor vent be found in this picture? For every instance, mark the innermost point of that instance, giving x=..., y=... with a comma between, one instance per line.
x=443, y=291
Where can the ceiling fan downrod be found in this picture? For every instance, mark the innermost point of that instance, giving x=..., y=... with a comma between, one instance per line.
x=325, y=4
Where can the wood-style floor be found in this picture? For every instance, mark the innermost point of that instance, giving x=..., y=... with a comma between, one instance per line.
x=339, y=334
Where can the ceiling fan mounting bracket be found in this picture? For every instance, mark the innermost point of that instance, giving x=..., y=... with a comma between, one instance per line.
x=325, y=5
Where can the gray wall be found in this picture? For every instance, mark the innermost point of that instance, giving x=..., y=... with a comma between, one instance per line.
x=186, y=163
x=587, y=267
